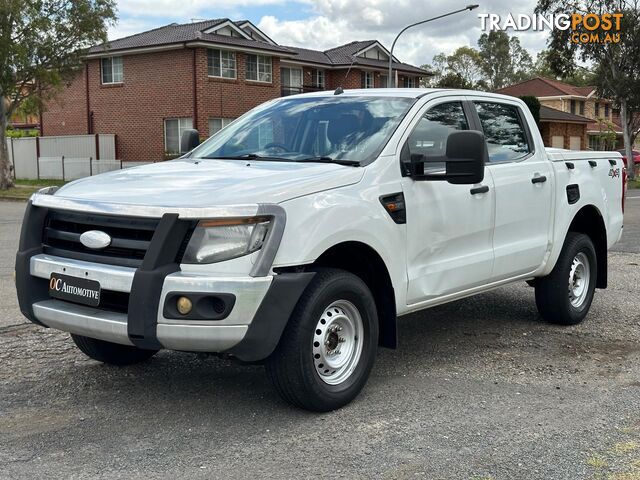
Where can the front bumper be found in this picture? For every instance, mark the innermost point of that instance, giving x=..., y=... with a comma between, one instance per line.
x=192, y=335
x=250, y=330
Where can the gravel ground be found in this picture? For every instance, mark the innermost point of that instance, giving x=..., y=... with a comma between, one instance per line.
x=479, y=389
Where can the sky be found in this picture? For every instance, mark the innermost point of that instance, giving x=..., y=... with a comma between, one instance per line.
x=323, y=24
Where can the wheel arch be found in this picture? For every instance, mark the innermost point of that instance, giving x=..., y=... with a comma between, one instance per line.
x=589, y=221
x=365, y=262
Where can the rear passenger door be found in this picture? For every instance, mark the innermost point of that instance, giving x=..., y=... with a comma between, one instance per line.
x=522, y=180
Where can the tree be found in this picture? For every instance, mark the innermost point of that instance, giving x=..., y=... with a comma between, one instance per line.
x=465, y=63
x=41, y=47
x=437, y=67
x=534, y=106
x=503, y=60
x=461, y=69
x=617, y=63
x=580, y=77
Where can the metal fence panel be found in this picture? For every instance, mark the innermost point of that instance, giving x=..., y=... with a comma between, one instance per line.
x=72, y=146
x=25, y=157
x=51, y=168
x=102, y=166
x=75, y=168
x=134, y=164
x=107, y=146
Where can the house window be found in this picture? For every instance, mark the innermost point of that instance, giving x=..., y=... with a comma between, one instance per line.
x=384, y=81
x=573, y=106
x=217, y=124
x=259, y=68
x=606, y=111
x=318, y=80
x=367, y=80
x=222, y=63
x=112, y=71
x=581, y=108
x=173, y=129
x=597, y=109
x=409, y=82
x=291, y=79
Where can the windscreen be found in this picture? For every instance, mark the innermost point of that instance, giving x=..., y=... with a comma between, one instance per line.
x=353, y=129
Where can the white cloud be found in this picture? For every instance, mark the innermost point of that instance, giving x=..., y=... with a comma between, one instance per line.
x=340, y=21
x=335, y=22
x=186, y=8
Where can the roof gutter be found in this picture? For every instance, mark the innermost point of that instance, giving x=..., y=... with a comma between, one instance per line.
x=224, y=46
x=134, y=51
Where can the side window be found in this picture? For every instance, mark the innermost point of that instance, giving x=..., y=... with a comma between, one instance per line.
x=503, y=130
x=430, y=135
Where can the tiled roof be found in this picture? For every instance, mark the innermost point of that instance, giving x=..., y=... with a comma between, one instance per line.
x=174, y=33
x=312, y=56
x=548, y=114
x=596, y=127
x=343, y=55
x=544, y=87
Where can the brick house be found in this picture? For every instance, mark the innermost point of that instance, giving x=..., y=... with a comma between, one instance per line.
x=580, y=103
x=563, y=129
x=149, y=87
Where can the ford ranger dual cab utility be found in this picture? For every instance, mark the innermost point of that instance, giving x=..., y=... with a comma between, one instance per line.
x=298, y=234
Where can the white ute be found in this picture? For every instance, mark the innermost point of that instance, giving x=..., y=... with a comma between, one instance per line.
x=300, y=232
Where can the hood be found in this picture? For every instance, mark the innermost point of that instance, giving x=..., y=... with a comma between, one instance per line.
x=205, y=183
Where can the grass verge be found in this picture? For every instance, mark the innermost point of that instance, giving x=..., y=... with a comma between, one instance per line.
x=23, y=189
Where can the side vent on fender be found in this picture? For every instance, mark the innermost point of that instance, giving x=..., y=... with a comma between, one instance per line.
x=395, y=207
x=573, y=193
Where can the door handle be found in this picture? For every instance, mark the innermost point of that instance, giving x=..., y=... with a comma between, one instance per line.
x=540, y=179
x=477, y=190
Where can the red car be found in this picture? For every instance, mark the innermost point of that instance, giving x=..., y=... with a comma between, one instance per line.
x=636, y=156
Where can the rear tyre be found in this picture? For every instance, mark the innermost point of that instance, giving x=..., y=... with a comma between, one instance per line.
x=565, y=295
x=328, y=348
x=111, y=353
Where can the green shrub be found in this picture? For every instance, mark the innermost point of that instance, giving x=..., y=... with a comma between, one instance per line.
x=13, y=133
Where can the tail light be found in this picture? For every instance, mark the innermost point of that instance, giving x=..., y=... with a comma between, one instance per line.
x=624, y=185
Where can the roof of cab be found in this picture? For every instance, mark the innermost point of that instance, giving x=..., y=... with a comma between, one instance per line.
x=401, y=92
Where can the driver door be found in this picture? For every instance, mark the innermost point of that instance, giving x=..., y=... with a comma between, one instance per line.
x=449, y=227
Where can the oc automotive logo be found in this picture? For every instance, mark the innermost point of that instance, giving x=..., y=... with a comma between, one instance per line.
x=59, y=285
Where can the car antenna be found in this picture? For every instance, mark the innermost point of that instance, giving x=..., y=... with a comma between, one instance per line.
x=339, y=90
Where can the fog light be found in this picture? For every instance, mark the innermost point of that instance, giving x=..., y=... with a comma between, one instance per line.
x=184, y=305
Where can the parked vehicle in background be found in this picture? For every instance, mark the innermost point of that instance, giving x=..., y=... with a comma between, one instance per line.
x=300, y=232
x=634, y=153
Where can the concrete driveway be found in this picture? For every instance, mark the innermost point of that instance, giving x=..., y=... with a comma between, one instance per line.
x=479, y=389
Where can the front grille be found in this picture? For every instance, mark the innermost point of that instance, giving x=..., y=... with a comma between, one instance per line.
x=130, y=237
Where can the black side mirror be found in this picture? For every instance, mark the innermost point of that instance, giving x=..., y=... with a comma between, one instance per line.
x=190, y=139
x=463, y=163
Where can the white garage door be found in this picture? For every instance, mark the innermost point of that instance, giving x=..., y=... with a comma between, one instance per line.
x=574, y=143
x=557, y=141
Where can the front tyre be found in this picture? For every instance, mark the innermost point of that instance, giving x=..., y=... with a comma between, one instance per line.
x=111, y=353
x=328, y=348
x=565, y=295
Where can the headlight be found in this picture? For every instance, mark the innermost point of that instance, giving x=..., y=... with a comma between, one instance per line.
x=223, y=239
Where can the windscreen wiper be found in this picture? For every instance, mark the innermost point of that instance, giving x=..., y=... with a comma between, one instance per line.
x=247, y=156
x=349, y=163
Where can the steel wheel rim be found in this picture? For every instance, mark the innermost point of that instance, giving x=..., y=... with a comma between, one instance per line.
x=579, y=279
x=337, y=342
